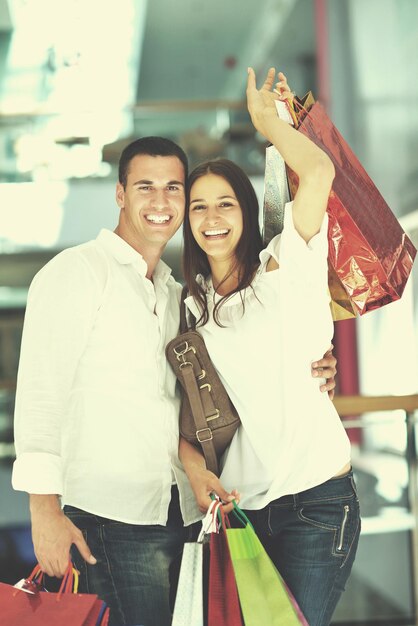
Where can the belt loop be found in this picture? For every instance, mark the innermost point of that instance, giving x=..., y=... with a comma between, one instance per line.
x=295, y=501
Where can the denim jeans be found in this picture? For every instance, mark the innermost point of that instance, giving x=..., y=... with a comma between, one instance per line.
x=312, y=539
x=136, y=566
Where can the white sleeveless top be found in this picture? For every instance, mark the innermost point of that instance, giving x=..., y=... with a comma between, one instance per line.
x=291, y=437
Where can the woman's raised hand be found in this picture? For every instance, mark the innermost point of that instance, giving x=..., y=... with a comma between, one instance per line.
x=283, y=88
x=261, y=102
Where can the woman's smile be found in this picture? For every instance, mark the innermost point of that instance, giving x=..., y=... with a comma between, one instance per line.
x=215, y=216
x=216, y=233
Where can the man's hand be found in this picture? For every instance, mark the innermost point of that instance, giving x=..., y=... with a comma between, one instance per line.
x=53, y=535
x=203, y=483
x=326, y=368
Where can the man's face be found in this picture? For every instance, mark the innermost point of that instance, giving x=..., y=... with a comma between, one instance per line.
x=153, y=201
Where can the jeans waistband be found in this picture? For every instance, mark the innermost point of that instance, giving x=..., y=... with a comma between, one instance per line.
x=334, y=488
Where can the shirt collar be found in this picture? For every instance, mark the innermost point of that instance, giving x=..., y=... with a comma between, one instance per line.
x=212, y=297
x=126, y=255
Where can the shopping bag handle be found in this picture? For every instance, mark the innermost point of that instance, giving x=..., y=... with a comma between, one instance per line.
x=217, y=511
x=209, y=521
x=69, y=582
x=223, y=518
x=299, y=108
x=240, y=515
x=36, y=576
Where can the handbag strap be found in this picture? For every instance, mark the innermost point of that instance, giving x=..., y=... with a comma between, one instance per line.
x=203, y=432
x=184, y=327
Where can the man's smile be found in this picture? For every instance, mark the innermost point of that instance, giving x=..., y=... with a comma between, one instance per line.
x=158, y=218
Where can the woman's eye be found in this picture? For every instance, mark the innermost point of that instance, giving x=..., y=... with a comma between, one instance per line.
x=226, y=205
x=198, y=207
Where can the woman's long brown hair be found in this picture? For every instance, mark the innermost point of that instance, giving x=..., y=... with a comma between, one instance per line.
x=248, y=248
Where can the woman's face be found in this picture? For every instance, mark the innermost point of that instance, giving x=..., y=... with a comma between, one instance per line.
x=215, y=217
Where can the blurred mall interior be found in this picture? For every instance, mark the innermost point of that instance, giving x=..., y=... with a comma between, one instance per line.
x=80, y=80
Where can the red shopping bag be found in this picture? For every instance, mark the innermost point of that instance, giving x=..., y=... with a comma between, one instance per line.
x=370, y=256
x=36, y=607
x=223, y=603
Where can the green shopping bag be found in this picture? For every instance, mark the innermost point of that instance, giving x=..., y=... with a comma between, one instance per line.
x=265, y=599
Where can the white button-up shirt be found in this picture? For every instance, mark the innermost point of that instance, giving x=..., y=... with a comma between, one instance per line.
x=96, y=416
x=291, y=437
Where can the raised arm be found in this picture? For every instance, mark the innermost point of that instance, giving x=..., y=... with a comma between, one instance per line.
x=312, y=165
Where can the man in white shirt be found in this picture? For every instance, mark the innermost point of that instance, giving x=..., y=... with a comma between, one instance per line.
x=96, y=423
x=96, y=411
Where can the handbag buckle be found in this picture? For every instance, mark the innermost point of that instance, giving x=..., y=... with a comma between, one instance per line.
x=187, y=348
x=202, y=430
x=214, y=416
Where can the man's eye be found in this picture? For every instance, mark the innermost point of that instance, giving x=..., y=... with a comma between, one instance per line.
x=173, y=188
x=144, y=187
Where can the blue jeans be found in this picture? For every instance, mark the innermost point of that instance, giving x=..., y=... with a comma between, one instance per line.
x=136, y=566
x=312, y=539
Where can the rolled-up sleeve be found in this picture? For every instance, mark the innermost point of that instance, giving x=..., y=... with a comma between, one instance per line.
x=301, y=262
x=61, y=308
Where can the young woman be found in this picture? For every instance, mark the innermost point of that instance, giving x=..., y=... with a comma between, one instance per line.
x=264, y=315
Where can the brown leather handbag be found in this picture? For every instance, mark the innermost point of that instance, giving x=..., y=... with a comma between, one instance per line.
x=207, y=416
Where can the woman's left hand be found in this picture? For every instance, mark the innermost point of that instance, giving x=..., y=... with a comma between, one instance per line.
x=326, y=368
x=261, y=102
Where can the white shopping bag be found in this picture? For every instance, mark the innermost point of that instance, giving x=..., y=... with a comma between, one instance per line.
x=188, y=609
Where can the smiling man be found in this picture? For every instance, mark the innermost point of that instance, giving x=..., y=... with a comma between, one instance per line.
x=96, y=422
x=151, y=197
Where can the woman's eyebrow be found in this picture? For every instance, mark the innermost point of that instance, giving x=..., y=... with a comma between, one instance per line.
x=219, y=198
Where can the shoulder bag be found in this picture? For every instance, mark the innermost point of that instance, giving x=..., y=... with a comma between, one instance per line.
x=207, y=416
